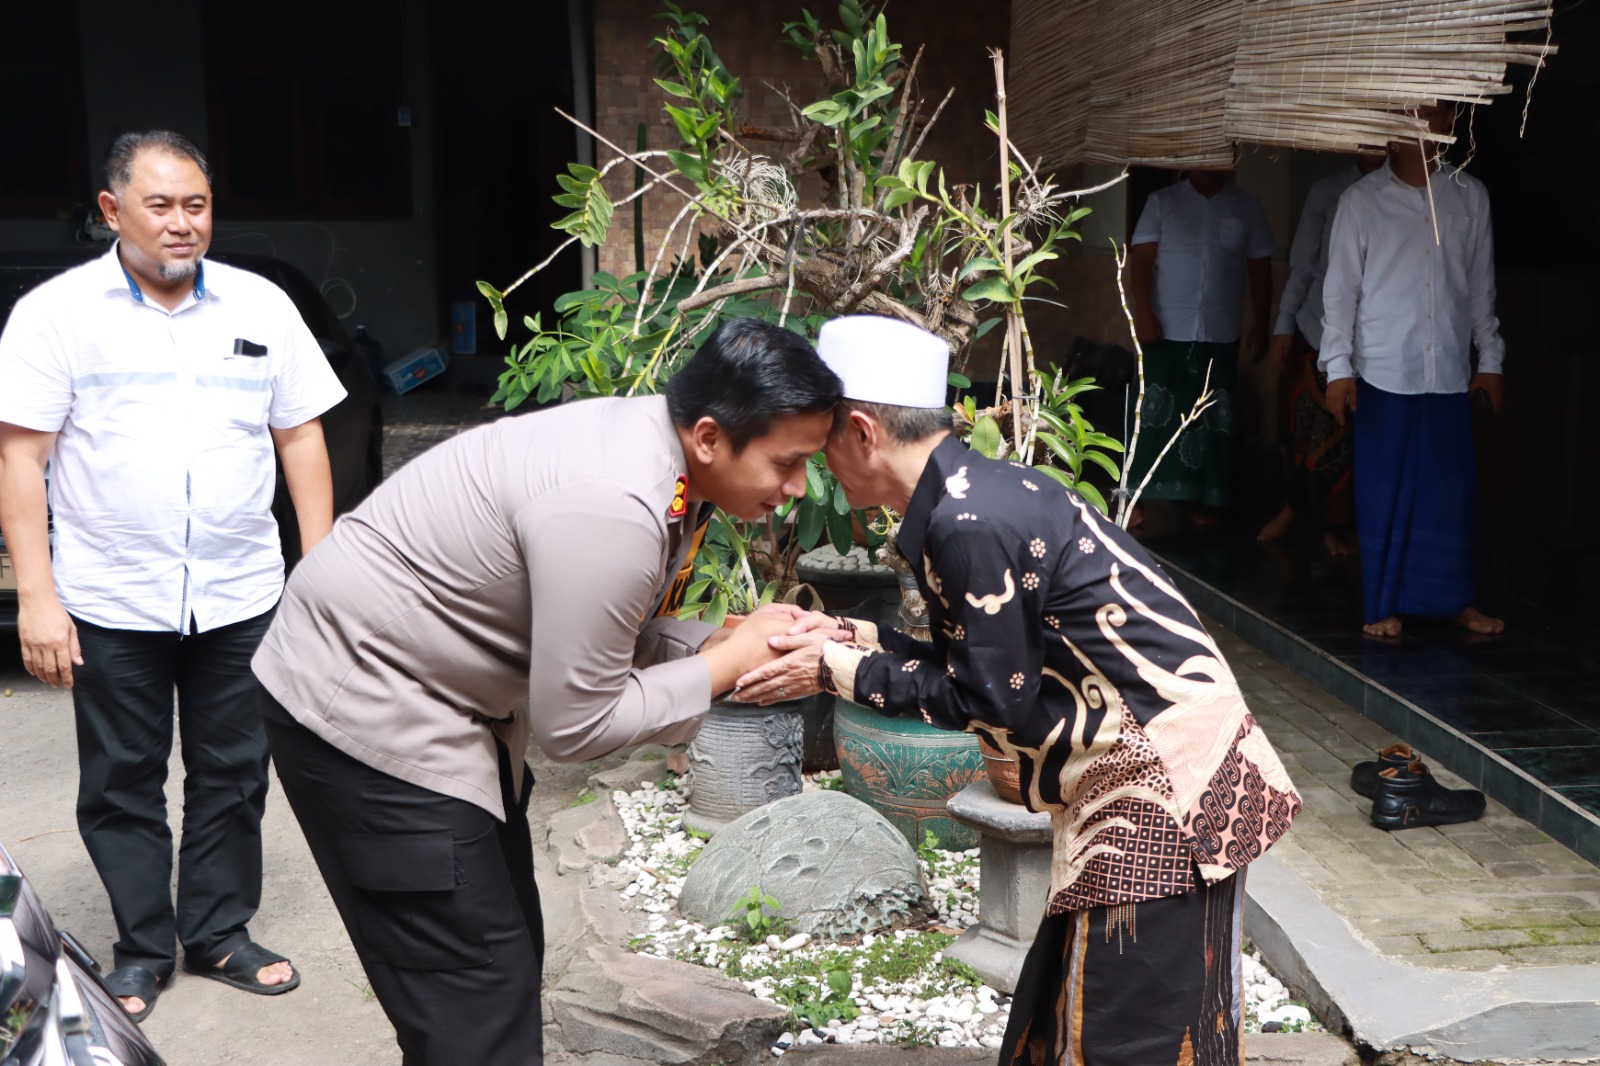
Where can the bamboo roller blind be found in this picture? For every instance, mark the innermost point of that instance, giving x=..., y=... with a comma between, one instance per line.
x=1180, y=83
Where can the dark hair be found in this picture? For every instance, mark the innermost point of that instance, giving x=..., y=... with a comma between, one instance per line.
x=748, y=373
x=904, y=425
x=119, y=161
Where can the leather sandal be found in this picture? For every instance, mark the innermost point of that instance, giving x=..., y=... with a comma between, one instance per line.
x=241, y=968
x=137, y=981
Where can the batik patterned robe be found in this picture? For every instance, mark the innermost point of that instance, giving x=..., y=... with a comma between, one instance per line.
x=1057, y=638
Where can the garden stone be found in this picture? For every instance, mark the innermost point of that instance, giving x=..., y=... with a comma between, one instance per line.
x=836, y=866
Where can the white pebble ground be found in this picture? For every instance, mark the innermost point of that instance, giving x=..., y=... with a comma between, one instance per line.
x=901, y=991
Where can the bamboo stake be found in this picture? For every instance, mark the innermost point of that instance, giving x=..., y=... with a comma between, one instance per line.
x=1013, y=316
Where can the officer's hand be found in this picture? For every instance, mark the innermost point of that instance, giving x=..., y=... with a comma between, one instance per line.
x=49, y=642
x=788, y=678
x=748, y=642
x=817, y=622
x=1339, y=397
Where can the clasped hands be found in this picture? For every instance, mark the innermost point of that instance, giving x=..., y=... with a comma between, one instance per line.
x=794, y=638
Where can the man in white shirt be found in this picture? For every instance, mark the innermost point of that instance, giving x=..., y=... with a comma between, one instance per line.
x=1408, y=293
x=1317, y=448
x=1194, y=247
x=156, y=385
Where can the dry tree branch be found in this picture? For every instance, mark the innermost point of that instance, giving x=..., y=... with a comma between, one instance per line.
x=655, y=267
x=1201, y=402
x=869, y=280
x=731, y=288
x=915, y=148
x=1124, y=507
x=665, y=179
x=897, y=137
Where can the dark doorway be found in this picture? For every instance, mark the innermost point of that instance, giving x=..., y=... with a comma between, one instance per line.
x=1539, y=510
x=501, y=68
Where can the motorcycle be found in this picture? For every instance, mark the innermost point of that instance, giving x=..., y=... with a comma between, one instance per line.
x=54, y=1008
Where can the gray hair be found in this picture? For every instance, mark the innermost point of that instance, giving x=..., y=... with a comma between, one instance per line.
x=904, y=425
x=126, y=148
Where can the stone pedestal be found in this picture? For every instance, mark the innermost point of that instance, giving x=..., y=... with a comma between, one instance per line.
x=1014, y=883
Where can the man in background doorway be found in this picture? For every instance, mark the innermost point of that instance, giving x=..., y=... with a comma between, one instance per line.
x=1318, y=448
x=1409, y=293
x=1196, y=245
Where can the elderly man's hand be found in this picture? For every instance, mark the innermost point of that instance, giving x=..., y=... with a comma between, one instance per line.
x=789, y=678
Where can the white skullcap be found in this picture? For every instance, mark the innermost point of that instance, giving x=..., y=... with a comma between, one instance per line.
x=885, y=360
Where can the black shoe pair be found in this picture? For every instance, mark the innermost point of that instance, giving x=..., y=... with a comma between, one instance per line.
x=1405, y=795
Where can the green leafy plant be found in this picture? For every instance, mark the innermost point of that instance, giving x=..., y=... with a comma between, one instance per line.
x=750, y=919
x=829, y=1001
x=1062, y=437
x=929, y=850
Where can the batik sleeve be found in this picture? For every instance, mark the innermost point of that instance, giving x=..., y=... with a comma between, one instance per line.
x=871, y=635
x=991, y=586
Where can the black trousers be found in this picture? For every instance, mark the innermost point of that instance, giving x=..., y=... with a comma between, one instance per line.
x=437, y=895
x=122, y=697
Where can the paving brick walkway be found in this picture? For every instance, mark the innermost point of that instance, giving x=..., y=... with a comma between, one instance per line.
x=417, y=421
x=1489, y=893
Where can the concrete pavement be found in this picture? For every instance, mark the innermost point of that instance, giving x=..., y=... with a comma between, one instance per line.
x=1478, y=941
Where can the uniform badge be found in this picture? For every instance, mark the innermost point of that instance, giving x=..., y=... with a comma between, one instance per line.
x=680, y=498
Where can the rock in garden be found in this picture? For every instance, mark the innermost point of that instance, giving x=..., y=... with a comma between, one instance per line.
x=836, y=867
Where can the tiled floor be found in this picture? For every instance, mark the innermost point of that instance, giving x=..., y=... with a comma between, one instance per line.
x=1531, y=695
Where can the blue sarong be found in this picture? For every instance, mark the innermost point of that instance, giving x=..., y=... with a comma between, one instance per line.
x=1415, y=480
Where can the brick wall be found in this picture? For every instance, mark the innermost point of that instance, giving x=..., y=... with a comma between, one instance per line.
x=749, y=40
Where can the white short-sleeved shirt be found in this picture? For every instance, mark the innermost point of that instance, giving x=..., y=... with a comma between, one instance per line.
x=162, y=477
x=1203, y=246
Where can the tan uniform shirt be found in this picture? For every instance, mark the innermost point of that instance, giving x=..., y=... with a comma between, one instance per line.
x=504, y=583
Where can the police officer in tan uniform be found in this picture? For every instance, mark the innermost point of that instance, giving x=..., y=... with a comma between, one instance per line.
x=515, y=583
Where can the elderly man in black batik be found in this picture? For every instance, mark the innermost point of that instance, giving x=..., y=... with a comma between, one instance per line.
x=1057, y=638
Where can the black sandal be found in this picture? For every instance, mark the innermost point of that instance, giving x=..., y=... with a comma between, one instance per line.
x=241, y=968
x=136, y=981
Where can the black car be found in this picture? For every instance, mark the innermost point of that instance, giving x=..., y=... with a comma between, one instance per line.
x=353, y=427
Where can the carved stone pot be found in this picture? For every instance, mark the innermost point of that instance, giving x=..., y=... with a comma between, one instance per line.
x=742, y=757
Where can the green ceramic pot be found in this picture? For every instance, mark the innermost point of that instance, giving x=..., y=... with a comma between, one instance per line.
x=906, y=769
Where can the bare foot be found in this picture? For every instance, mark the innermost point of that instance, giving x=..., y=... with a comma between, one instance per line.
x=1201, y=518
x=1476, y=621
x=1278, y=526
x=1136, y=517
x=1338, y=546
x=275, y=974
x=1385, y=629
x=131, y=1004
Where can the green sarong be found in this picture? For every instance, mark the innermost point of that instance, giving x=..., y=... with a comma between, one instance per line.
x=1199, y=465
